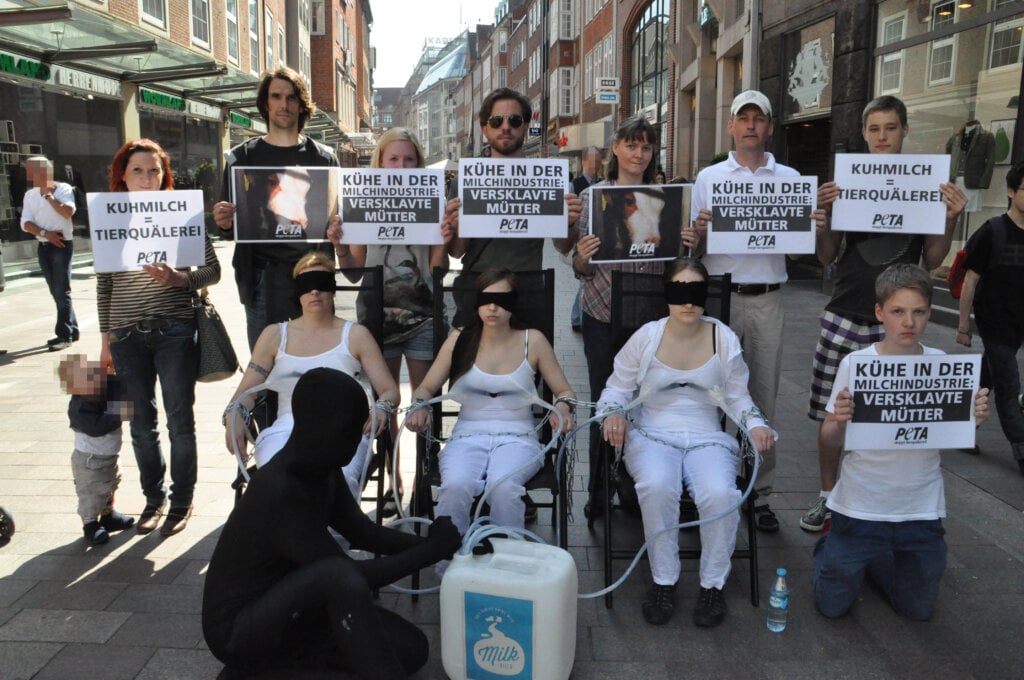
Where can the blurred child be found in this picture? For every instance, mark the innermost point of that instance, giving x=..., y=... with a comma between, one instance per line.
x=95, y=413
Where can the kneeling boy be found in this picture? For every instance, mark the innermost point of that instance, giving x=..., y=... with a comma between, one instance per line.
x=887, y=506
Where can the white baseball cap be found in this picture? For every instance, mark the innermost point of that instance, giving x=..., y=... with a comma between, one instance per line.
x=752, y=97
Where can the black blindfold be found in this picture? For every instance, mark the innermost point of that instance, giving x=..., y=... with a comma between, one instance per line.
x=689, y=293
x=319, y=281
x=504, y=300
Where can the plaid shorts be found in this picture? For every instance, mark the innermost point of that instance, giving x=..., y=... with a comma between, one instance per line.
x=839, y=336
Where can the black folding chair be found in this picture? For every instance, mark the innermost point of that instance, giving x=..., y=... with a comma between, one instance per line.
x=637, y=298
x=535, y=307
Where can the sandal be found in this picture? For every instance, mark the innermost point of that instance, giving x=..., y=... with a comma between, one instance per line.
x=765, y=520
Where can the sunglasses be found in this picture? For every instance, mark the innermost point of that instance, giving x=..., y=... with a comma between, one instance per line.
x=515, y=121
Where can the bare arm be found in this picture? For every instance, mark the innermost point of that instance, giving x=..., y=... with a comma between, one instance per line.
x=542, y=358
x=936, y=246
x=827, y=242
x=833, y=430
x=263, y=355
x=365, y=349
x=970, y=286
x=432, y=383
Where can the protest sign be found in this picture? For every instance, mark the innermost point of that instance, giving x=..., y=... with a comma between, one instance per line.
x=391, y=206
x=762, y=214
x=913, y=402
x=638, y=223
x=130, y=229
x=274, y=204
x=890, y=193
x=513, y=198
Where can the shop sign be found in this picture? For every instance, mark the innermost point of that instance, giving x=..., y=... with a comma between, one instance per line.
x=23, y=66
x=240, y=120
x=86, y=82
x=161, y=100
x=202, y=110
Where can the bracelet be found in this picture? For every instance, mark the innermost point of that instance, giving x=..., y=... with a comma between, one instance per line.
x=240, y=408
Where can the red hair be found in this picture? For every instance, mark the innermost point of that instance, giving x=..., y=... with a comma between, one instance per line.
x=124, y=154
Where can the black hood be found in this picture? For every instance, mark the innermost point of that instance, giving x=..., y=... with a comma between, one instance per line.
x=329, y=408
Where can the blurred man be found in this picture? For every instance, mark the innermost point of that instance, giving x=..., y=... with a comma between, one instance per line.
x=46, y=214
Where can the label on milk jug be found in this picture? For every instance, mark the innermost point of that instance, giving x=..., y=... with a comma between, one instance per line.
x=499, y=637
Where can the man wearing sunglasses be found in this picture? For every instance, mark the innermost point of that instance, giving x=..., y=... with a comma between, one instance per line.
x=504, y=117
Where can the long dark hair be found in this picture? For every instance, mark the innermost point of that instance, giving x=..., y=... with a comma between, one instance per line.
x=634, y=129
x=468, y=343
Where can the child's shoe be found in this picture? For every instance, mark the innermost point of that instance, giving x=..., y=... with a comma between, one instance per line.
x=94, y=532
x=115, y=521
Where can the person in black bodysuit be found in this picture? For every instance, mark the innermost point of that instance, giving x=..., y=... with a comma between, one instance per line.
x=280, y=593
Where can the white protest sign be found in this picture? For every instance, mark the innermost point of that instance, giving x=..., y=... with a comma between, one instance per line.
x=391, y=206
x=133, y=228
x=890, y=193
x=762, y=215
x=513, y=198
x=913, y=402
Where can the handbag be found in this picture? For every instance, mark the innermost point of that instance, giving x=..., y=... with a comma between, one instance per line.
x=217, y=359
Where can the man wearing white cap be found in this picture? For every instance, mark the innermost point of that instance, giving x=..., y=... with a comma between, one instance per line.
x=756, y=313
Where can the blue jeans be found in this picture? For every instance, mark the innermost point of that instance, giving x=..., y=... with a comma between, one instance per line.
x=56, y=265
x=905, y=559
x=171, y=355
x=597, y=347
x=1001, y=360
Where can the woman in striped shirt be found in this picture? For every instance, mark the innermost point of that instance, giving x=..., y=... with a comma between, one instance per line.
x=148, y=328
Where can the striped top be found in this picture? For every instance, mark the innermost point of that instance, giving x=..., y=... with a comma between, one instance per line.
x=125, y=298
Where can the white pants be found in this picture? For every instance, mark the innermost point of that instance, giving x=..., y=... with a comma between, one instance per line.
x=472, y=464
x=758, y=321
x=710, y=474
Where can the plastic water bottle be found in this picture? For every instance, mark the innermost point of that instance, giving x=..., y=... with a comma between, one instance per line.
x=778, y=602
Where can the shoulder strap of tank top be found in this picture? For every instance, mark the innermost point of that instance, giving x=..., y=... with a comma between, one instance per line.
x=714, y=338
x=284, y=336
x=526, y=345
x=344, y=335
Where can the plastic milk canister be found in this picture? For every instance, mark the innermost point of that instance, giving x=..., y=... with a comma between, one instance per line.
x=510, y=614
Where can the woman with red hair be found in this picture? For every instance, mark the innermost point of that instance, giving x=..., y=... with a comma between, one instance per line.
x=148, y=328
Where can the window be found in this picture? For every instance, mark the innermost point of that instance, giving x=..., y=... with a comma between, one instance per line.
x=1006, y=43
x=563, y=91
x=201, y=22
x=231, y=15
x=317, y=18
x=609, y=56
x=268, y=36
x=562, y=20
x=890, y=77
x=155, y=12
x=502, y=77
x=282, y=57
x=588, y=75
x=649, y=59
x=254, y=37
x=941, y=52
x=503, y=40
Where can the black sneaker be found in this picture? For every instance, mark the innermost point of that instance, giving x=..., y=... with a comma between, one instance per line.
x=115, y=521
x=95, y=534
x=710, y=609
x=659, y=605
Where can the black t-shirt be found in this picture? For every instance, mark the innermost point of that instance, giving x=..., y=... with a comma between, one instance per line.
x=865, y=257
x=251, y=256
x=999, y=298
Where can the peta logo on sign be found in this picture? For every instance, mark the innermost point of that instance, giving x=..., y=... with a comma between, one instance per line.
x=911, y=435
x=396, y=233
x=641, y=249
x=513, y=224
x=292, y=229
x=895, y=220
x=152, y=257
x=756, y=241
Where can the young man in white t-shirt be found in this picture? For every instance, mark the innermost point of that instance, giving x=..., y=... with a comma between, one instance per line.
x=887, y=506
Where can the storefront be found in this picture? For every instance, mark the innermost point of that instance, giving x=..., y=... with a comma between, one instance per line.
x=957, y=66
x=71, y=117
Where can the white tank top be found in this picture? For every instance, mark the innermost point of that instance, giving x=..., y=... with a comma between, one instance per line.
x=672, y=407
x=496, y=402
